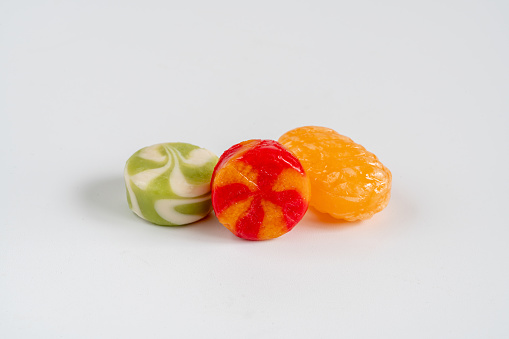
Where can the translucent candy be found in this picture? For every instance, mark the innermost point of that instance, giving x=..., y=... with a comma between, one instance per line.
x=347, y=181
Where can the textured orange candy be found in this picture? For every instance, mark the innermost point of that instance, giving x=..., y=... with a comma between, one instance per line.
x=347, y=181
x=259, y=190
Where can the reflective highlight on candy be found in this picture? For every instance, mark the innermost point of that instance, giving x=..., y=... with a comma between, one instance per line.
x=169, y=184
x=259, y=190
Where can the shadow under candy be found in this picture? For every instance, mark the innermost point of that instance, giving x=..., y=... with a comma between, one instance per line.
x=105, y=200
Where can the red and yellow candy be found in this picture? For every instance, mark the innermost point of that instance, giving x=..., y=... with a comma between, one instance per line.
x=259, y=190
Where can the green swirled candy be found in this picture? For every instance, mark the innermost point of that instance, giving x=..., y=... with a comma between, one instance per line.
x=169, y=184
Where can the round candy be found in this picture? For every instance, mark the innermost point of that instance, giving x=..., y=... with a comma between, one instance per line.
x=347, y=181
x=169, y=184
x=259, y=190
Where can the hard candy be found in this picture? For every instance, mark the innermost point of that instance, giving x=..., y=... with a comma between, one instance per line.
x=347, y=181
x=169, y=184
x=259, y=190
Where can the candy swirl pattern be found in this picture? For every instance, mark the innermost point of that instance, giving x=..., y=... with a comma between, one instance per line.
x=169, y=184
x=259, y=190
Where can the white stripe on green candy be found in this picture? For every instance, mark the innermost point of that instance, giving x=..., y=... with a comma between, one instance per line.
x=144, y=178
x=178, y=181
x=132, y=198
x=157, y=192
x=166, y=209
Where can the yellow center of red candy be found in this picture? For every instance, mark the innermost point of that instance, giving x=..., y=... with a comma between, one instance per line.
x=259, y=190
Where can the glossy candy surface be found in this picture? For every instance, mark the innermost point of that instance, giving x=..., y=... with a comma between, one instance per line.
x=259, y=190
x=347, y=181
x=169, y=184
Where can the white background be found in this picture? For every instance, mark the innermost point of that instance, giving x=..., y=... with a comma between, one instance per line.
x=422, y=84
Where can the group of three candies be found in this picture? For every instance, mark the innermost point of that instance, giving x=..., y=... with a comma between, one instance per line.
x=259, y=189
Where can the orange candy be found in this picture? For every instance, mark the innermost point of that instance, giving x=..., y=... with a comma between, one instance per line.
x=259, y=190
x=347, y=181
